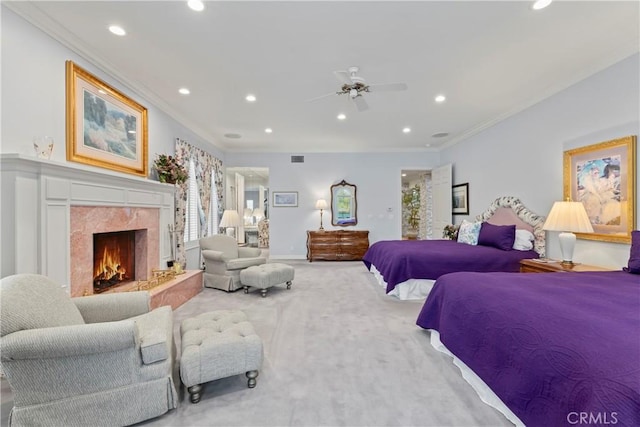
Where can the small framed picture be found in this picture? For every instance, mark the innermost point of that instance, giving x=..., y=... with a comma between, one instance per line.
x=285, y=199
x=460, y=203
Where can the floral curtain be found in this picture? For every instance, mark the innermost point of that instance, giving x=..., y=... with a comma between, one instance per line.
x=205, y=165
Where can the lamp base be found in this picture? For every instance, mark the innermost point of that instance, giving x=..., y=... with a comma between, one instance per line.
x=567, y=244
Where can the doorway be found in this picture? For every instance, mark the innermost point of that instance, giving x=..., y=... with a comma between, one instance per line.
x=417, y=194
x=247, y=192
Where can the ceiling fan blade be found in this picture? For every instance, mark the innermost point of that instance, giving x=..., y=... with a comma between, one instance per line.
x=320, y=97
x=343, y=77
x=387, y=87
x=361, y=104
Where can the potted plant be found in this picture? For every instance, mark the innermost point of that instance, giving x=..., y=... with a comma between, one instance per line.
x=169, y=169
x=411, y=204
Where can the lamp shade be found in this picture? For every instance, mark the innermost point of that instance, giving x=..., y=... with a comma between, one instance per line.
x=257, y=212
x=321, y=204
x=230, y=218
x=568, y=216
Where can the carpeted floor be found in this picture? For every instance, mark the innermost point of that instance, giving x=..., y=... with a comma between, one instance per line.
x=338, y=352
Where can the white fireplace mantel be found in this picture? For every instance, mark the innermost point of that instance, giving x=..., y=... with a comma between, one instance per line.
x=37, y=196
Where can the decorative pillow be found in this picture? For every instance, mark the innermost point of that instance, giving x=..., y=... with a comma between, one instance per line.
x=634, y=257
x=497, y=236
x=524, y=240
x=468, y=232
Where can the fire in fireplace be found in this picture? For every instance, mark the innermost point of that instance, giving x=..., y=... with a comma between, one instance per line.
x=113, y=259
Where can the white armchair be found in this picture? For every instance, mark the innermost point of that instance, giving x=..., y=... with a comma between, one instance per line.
x=97, y=360
x=224, y=260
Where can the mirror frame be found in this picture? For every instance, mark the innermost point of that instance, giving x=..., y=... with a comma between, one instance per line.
x=334, y=188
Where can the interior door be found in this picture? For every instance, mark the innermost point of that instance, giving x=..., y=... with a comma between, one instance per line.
x=442, y=197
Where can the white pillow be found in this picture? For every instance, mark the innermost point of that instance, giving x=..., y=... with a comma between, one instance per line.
x=523, y=241
x=469, y=232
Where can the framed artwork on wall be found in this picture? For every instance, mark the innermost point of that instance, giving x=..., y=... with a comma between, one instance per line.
x=285, y=199
x=602, y=177
x=105, y=128
x=460, y=203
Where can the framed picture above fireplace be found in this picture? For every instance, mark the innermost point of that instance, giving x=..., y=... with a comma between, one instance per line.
x=105, y=128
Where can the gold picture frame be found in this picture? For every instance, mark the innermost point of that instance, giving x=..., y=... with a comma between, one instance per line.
x=602, y=176
x=105, y=128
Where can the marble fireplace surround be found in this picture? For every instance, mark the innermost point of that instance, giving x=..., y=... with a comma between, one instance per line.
x=88, y=220
x=39, y=233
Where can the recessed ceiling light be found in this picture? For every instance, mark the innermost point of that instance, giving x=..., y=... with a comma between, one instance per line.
x=250, y=98
x=440, y=98
x=440, y=135
x=541, y=4
x=118, y=31
x=268, y=130
x=341, y=116
x=232, y=135
x=184, y=91
x=406, y=130
x=196, y=5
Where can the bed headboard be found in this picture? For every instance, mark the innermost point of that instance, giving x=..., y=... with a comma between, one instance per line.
x=509, y=210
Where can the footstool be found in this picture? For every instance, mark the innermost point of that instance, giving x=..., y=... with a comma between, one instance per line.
x=215, y=345
x=265, y=276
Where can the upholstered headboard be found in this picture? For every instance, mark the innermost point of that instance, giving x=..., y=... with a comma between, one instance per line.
x=509, y=210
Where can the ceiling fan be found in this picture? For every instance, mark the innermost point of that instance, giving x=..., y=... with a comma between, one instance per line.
x=355, y=86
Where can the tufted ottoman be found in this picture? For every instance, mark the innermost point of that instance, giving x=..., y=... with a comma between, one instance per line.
x=215, y=345
x=265, y=276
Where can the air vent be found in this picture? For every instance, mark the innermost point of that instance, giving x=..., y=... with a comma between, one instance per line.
x=297, y=159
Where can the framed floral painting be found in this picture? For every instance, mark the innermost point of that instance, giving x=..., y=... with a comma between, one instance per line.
x=105, y=128
x=602, y=177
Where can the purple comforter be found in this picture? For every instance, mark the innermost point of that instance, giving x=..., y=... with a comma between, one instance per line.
x=552, y=346
x=401, y=260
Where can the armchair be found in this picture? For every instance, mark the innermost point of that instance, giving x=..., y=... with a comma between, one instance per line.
x=224, y=260
x=96, y=360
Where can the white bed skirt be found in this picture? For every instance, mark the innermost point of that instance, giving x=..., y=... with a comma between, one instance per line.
x=412, y=289
x=486, y=394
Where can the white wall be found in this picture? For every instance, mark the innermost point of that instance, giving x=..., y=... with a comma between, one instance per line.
x=522, y=156
x=376, y=175
x=33, y=94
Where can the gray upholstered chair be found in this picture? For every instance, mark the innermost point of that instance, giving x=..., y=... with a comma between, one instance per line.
x=223, y=260
x=96, y=360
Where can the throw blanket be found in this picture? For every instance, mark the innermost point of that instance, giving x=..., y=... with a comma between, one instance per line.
x=401, y=260
x=552, y=346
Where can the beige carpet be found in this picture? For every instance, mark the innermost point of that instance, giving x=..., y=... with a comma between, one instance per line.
x=338, y=352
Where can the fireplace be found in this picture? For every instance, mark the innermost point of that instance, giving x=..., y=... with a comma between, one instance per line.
x=112, y=247
x=114, y=259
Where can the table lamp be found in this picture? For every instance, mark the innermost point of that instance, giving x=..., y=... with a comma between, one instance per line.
x=230, y=220
x=568, y=218
x=321, y=204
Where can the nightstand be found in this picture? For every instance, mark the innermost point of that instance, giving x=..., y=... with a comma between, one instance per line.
x=533, y=266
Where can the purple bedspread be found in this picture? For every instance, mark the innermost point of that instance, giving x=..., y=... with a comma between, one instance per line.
x=401, y=260
x=552, y=346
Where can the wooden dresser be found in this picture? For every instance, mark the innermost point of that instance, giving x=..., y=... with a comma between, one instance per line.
x=337, y=245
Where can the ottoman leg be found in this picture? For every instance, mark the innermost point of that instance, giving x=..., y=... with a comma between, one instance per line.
x=252, y=375
x=289, y=284
x=263, y=292
x=246, y=289
x=195, y=393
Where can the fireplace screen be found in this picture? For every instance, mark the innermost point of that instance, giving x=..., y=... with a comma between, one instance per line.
x=113, y=259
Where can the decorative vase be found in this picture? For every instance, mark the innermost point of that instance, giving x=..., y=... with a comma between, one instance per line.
x=43, y=146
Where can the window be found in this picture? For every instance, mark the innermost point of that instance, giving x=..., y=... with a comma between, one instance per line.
x=194, y=209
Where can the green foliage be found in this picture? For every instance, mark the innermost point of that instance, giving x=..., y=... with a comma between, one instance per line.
x=169, y=169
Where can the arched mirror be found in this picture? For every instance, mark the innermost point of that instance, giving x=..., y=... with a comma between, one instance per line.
x=344, y=205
